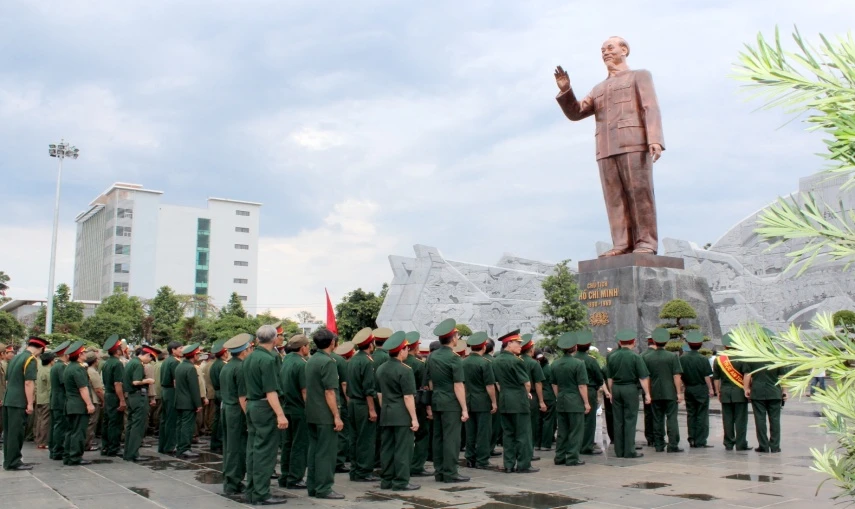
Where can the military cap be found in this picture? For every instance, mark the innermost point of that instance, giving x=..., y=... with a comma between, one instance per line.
x=238, y=343
x=445, y=329
x=477, y=339
x=626, y=336
x=727, y=340
x=461, y=349
x=526, y=340
x=298, y=341
x=661, y=335
x=112, y=344
x=37, y=341
x=75, y=349
x=60, y=350
x=413, y=338
x=363, y=337
x=694, y=337
x=218, y=348
x=381, y=334
x=345, y=349
x=511, y=336
x=190, y=350
x=568, y=340
x=396, y=342
x=278, y=327
x=584, y=337
x=149, y=349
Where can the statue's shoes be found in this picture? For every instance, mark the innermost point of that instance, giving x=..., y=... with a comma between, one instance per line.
x=613, y=252
x=644, y=250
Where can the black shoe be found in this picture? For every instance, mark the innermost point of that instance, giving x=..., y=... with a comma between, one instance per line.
x=660, y=449
x=457, y=478
x=760, y=449
x=299, y=485
x=529, y=470
x=773, y=451
x=592, y=453
x=274, y=475
x=83, y=463
x=677, y=449
x=423, y=473
x=141, y=459
x=367, y=478
x=488, y=466
x=470, y=463
x=495, y=454
x=273, y=501
x=649, y=444
x=22, y=467
x=508, y=470
x=535, y=458
x=744, y=448
x=575, y=463
x=728, y=447
x=636, y=455
x=638, y=447
x=705, y=446
x=537, y=448
x=188, y=455
x=408, y=487
x=332, y=496
x=342, y=470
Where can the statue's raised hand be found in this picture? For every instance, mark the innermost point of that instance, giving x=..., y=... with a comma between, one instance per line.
x=561, y=79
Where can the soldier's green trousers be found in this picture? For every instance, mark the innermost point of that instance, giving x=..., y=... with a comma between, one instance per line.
x=396, y=454
x=59, y=428
x=534, y=415
x=516, y=441
x=111, y=432
x=295, y=450
x=186, y=427
x=590, y=422
x=698, y=414
x=649, y=424
x=771, y=409
x=665, y=414
x=137, y=418
x=479, y=431
x=323, y=444
x=75, y=439
x=234, y=449
x=421, y=440
x=14, y=423
x=625, y=417
x=571, y=433
x=446, y=444
x=496, y=439
x=217, y=427
x=261, y=448
x=364, y=437
x=546, y=425
x=344, y=437
x=166, y=439
x=735, y=419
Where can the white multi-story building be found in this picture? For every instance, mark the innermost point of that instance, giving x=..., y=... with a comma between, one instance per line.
x=127, y=240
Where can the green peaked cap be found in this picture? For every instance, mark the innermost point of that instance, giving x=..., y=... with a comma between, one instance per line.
x=477, y=339
x=189, y=349
x=394, y=341
x=111, y=342
x=726, y=340
x=626, y=335
x=218, y=347
x=584, y=337
x=445, y=327
x=661, y=335
x=73, y=347
x=60, y=350
x=568, y=340
x=413, y=336
x=694, y=337
x=525, y=340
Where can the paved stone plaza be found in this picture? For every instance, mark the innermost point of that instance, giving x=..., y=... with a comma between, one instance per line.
x=708, y=478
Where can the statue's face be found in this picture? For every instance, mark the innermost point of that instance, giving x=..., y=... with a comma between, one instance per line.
x=613, y=53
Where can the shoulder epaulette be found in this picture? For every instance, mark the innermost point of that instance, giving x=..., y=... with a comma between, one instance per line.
x=369, y=357
x=406, y=366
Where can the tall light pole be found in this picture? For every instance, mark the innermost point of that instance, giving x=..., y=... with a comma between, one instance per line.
x=60, y=151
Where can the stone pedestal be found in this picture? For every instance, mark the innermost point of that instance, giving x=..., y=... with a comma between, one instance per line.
x=628, y=292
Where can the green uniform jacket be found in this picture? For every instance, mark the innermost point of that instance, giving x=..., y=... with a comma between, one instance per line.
x=57, y=391
x=74, y=379
x=444, y=369
x=167, y=372
x=187, y=395
x=294, y=381
x=418, y=367
x=662, y=366
x=43, y=385
x=593, y=369
x=261, y=374
x=548, y=382
x=111, y=372
x=232, y=384
x=764, y=383
x=479, y=374
x=569, y=373
x=216, y=370
x=396, y=380
x=380, y=357
x=360, y=376
x=535, y=375
x=511, y=375
x=696, y=368
x=321, y=376
x=625, y=367
x=134, y=372
x=730, y=392
x=22, y=367
x=341, y=367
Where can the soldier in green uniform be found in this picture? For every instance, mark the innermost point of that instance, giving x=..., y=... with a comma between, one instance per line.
x=514, y=380
x=584, y=338
x=481, y=402
x=233, y=394
x=221, y=355
x=292, y=462
x=113, y=373
x=421, y=435
x=78, y=405
x=19, y=401
x=767, y=397
x=322, y=392
x=166, y=439
x=729, y=383
x=666, y=392
x=571, y=384
x=649, y=435
x=546, y=426
x=496, y=438
x=188, y=400
x=624, y=369
x=136, y=386
x=58, y=423
x=535, y=374
x=362, y=407
x=448, y=402
x=342, y=354
x=398, y=418
x=381, y=334
x=264, y=416
x=697, y=379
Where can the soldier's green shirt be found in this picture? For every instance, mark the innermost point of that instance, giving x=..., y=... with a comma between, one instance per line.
x=569, y=373
x=444, y=369
x=112, y=371
x=548, y=381
x=57, y=390
x=396, y=380
x=478, y=374
x=75, y=378
x=216, y=370
x=593, y=369
x=341, y=367
x=662, y=365
x=167, y=372
x=321, y=376
x=625, y=367
x=360, y=376
x=22, y=367
x=696, y=368
x=134, y=372
x=418, y=367
x=232, y=384
x=43, y=385
x=294, y=380
x=261, y=374
x=511, y=375
x=730, y=392
x=380, y=357
x=187, y=395
x=764, y=383
x=158, y=388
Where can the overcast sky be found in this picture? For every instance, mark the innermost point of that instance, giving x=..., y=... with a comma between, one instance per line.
x=366, y=127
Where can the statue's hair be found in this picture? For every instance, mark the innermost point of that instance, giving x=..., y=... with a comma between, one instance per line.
x=622, y=42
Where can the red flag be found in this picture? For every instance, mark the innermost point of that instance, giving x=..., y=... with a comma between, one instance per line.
x=330, y=315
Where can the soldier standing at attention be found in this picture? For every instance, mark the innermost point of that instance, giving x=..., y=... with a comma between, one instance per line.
x=595, y=381
x=43, y=400
x=514, y=380
x=188, y=400
x=166, y=439
x=448, y=402
x=697, y=378
x=496, y=438
x=136, y=386
x=342, y=354
x=481, y=402
x=78, y=406
x=649, y=434
x=571, y=385
x=380, y=334
x=322, y=393
x=729, y=384
x=97, y=385
x=295, y=447
x=233, y=393
x=114, y=398
x=421, y=436
x=19, y=401
x=666, y=391
x=362, y=407
x=546, y=426
x=221, y=355
x=399, y=421
x=624, y=369
x=767, y=397
x=535, y=374
x=58, y=423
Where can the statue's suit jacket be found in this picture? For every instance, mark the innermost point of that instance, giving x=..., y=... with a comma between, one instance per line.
x=626, y=112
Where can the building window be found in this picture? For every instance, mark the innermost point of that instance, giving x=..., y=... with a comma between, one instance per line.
x=202, y=259
x=120, y=287
x=123, y=231
x=242, y=212
x=241, y=246
x=122, y=268
x=201, y=277
x=241, y=229
x=203, y=240
x=240, y=281
x=242, y=297
x=123, y=249
x=201, y=290
x=125, y=213
x=239, y=263
x=204, y=225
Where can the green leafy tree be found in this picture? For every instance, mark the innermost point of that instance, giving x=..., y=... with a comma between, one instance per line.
x=819, y=82
x=234, y=307
x=226, y=327
x=305, y=317
x=562, y=310
x=845, y=319
x=357, y=310
x=4, y=287
x=464, y=330
x=10, y=328
x=117, y=314
x=67, y=315
x=165, y=311
x=678, y=310
x=289, y=327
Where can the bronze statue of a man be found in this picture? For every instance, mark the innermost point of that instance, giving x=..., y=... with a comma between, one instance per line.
x=629, y=140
